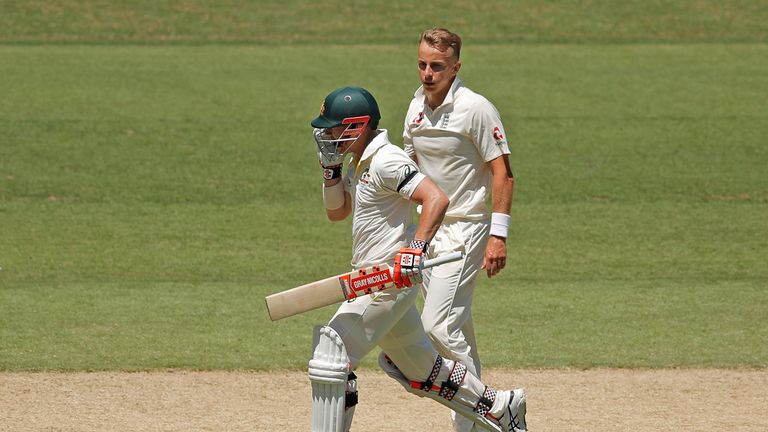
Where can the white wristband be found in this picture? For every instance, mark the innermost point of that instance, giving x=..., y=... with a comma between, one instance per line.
x=333, y=196
x=499, y=224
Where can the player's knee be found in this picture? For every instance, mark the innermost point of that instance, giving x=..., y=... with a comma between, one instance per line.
x=430, y=324
x=438, y=335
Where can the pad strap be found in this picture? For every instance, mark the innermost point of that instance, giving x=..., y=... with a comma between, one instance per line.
x=429, y=383
x=451, y=385
x=486, y=401
x=350, y=397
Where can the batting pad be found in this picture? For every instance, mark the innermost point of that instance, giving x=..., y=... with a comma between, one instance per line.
x=459, y=405
x=328, y=372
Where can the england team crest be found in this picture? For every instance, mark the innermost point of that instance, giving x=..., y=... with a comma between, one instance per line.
x=497, y=135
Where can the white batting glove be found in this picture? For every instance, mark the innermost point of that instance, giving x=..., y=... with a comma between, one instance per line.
x=326, y=151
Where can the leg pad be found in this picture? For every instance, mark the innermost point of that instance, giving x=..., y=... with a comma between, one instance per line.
x=465, y=410
x=328, y=373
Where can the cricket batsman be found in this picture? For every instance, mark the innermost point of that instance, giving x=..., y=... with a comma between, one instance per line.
x=377, y=190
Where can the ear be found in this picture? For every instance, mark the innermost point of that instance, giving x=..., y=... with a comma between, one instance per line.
x=456, y=67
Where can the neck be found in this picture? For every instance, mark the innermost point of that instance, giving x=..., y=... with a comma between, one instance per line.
x=358, y=147
x=436, y=99
x=356, y=151
x=434, y=102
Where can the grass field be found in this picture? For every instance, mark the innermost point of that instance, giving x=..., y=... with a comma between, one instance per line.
x=392, y=22
x=155, y=185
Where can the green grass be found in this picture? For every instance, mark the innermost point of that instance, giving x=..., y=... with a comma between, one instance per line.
x=395, y=21
x=151, y=196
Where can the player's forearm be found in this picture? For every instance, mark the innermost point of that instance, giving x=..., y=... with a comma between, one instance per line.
x=502, y=189
x=432, y=213
x=336, y=200
x=340, y=213
x=502, y=186
x=502, y=193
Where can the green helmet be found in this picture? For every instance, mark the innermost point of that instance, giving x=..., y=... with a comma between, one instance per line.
x=353, y=107
x=347, y=103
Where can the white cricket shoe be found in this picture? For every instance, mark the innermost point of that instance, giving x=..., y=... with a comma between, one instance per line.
x=513, y=417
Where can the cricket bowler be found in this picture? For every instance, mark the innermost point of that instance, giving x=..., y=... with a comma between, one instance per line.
x=457, y=139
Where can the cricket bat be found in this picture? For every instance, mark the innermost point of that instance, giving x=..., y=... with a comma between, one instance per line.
x=339, y=288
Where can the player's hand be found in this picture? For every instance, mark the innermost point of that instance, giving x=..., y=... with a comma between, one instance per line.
x=495, y=258
x=409, y=264
x=328, y=159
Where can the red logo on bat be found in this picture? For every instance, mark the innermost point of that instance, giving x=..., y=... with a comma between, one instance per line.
x=366, y=282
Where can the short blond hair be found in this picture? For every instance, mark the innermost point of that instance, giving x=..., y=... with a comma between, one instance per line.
x=442, y=39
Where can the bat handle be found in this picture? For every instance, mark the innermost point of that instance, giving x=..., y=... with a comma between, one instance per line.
x=451, y=257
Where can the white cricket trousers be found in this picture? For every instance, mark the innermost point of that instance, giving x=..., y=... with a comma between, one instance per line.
x=390, y=320
x=449, y=288
x=448, y=291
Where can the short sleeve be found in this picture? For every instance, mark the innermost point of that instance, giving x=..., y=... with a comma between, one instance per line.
x=488, y=131
x=397, y=172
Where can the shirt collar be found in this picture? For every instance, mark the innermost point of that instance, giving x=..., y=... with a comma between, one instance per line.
x=379, y=141
x=455, y=86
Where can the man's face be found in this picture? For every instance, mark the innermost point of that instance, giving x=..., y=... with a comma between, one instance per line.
x=346, y=146
x=437, y=70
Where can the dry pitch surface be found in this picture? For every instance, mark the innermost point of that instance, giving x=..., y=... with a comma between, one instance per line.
x=558, y=400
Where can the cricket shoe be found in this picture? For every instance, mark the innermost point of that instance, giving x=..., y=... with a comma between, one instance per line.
x=513, y=417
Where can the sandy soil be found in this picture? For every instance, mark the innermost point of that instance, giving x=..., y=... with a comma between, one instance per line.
x=558, y=400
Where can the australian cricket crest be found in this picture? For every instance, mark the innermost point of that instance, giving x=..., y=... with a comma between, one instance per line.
x=365, y=177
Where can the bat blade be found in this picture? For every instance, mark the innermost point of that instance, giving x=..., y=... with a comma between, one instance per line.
x=334, y=289
x=306, y=297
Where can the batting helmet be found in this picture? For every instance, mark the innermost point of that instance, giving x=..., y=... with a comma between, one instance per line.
x=346, y=104
x=352, y=107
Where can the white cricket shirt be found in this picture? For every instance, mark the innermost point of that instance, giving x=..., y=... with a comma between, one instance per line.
x=381, y=184
x=452, y=145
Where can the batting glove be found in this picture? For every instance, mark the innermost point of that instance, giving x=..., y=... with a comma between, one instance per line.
x=409, y=264
x=327, y=153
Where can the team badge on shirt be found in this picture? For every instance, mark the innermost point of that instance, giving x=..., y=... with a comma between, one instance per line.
x=418, y=119
x=498, y=136
x=444, y=120
x=365, y=178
